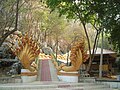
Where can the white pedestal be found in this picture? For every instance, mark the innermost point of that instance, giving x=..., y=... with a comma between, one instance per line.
x=68, y=76
x=27, y=79
x=118, y=77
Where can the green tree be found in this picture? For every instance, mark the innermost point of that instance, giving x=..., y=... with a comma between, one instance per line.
x=103, y=15
x=37, y=19
x=78, y=9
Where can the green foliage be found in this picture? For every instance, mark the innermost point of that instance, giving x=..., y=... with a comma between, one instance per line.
x=102, y=14
x=109, y=14
x=73, y=9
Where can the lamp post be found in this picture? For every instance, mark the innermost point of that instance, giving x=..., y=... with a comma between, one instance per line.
x=101, y=57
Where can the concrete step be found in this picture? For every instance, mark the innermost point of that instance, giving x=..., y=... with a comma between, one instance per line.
x=70, y=88
x=87, y=79
x=53, y=86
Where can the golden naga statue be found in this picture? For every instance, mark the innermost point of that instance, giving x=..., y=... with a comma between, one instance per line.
x=26, y=49
x=77, y=56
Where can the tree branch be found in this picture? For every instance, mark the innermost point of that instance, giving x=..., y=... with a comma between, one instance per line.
x=16, y=24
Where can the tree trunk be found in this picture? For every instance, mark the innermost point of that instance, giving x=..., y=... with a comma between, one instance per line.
x=90, y=61
x=56, y=48
x=92, y=55
x=83, y=23
x=68, y=47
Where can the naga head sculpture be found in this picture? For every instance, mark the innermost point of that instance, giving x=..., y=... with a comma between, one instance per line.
x=26, y=49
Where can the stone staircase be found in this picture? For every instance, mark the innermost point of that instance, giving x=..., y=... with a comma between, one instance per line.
x=51, y=83
x=54, y=85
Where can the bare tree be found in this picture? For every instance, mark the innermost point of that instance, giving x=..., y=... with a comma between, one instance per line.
x=9, y=18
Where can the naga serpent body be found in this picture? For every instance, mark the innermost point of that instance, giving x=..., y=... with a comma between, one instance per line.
x=26, y=51
x=77, y=57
